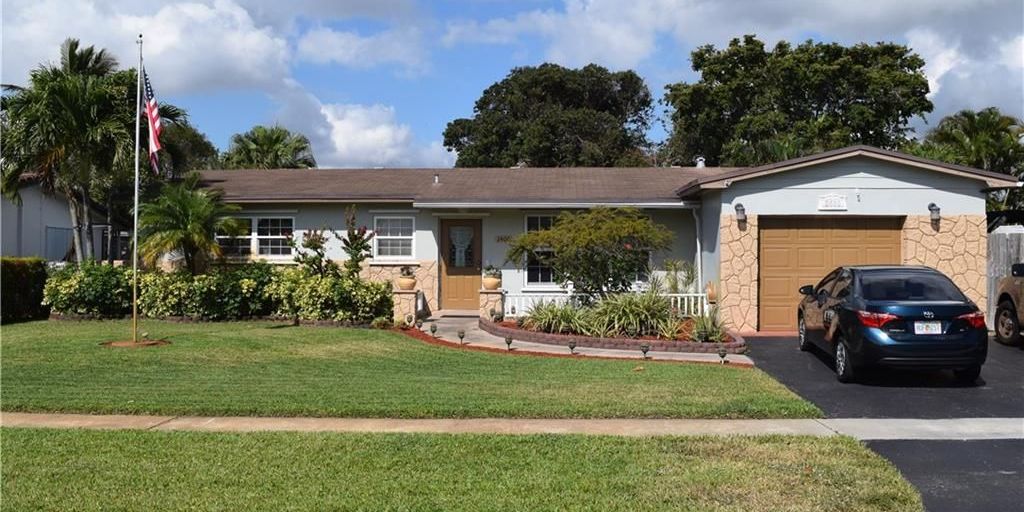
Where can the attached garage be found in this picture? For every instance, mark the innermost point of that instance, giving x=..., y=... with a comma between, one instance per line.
x=768, y=230
x=796, y=251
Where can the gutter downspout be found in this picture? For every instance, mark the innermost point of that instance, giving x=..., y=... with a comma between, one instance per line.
x=700, y=255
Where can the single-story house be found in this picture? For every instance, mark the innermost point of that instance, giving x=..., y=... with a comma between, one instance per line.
x=755, y=234
x=40, y=226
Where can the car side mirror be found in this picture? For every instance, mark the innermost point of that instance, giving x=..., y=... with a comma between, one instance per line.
x=1017, y=270
x=807, y=289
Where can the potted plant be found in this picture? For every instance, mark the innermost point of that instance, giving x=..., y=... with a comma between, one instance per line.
x=406, y=278
x=492, y=278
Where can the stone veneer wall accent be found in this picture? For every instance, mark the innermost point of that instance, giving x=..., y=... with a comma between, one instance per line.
x=426, y=277
x=738, y=273
x=957, y=248
x=491, y=299
x=405, y=304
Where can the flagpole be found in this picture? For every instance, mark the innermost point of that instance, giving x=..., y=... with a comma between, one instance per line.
x=135, y=210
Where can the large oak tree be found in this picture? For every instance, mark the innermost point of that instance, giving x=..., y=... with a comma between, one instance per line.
x=553, y=116
x=753, y=106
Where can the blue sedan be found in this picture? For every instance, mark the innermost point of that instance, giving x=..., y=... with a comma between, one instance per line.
x=893, y=316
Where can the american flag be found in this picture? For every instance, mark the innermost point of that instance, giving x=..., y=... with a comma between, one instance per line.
x=153, y=114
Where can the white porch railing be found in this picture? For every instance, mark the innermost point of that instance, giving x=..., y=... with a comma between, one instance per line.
x=520, y=304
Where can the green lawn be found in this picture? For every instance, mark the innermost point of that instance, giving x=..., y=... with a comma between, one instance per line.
x=253, y=368
x=139, y=470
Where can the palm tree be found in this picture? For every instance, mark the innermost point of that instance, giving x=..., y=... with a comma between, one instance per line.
x=71, y=130
x=986, y=139
x=272, y=147
x=185, y=219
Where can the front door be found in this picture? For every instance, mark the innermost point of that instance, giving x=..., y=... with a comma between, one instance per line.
x=460, y=263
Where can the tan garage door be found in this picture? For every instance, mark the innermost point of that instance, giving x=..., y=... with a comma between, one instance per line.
x=796, y=251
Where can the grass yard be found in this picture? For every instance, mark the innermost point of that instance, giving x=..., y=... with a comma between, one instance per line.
x=253, y=368
x=139, y=470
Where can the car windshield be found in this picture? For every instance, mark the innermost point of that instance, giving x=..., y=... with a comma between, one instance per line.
x=910, y=286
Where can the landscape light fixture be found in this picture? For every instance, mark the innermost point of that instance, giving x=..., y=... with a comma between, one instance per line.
x=508, y=342
x=721, y=353
x=462, y=335
x=433, y=329
x=572, y=347
x=644, y=348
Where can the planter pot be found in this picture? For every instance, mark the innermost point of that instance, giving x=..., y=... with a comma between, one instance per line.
x=491, y=283
x=406, y=283
x=711, y=292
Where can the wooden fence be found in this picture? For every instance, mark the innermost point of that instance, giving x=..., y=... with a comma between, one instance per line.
x=1005, y=247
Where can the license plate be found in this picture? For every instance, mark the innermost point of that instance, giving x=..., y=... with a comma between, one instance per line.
x=927, y=327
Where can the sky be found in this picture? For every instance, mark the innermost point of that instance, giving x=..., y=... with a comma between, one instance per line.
x=373, y=83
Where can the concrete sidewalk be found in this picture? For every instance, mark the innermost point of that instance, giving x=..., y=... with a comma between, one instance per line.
x=860, y=428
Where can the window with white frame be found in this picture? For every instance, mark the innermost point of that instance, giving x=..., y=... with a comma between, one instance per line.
x=538, y=273
x=238, y=246
x=272, y=236
x=393, y=236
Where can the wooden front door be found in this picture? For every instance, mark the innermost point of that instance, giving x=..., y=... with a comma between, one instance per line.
x=460, y=263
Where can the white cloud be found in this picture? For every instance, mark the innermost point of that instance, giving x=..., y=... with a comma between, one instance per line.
x=197, y=46
x=188, y=46
x=940, y=56
x=354, y=135
x=400, y=46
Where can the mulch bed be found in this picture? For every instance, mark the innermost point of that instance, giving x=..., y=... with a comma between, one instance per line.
x=735, y=344
x=131, y=344
x=428, y=338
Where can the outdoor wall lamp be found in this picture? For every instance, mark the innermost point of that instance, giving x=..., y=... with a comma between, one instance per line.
x=741, y=213
x=934, y=209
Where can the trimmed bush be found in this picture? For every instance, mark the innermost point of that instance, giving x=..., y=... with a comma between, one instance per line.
x=91, y=289
x=23, y=280
x=341, y=298
x=222, y=294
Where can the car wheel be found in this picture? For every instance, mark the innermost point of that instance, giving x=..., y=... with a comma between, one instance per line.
x=844, y=366
x=1006, y=325
x=968, y=375
x=801, y=329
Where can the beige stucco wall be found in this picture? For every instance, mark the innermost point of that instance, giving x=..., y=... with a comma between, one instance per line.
x=738, y=274
x=956, y=246
x=425, y=273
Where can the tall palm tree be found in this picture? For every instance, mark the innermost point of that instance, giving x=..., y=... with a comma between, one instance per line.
x=185, y=219
x=71, y=130
x=272, y=147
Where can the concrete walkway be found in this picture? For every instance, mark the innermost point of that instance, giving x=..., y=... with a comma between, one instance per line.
x=448, y=328
x=860, y=428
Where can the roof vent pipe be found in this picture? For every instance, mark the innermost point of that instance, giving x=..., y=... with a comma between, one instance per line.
x=437, y=178
x=700, y=162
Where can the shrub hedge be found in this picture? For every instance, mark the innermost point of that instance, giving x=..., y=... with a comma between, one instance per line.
x=227, y=293
x=21, y=298
x=90, y=289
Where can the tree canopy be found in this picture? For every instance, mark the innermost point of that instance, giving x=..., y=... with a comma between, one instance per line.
x=269, y=147
x=556, y=117
x=752, y=106
x=984, y=139
x=71, y=130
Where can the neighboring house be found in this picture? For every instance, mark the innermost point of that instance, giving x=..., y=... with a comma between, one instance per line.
x=756, y=233
x=41, y=226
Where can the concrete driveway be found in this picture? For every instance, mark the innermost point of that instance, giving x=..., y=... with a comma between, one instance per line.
x=980, y=475
x=999, y=392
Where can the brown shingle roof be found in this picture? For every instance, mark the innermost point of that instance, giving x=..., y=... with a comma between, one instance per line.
x=464, y=185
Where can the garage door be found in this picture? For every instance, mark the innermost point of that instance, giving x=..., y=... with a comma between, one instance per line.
x=797, y=251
